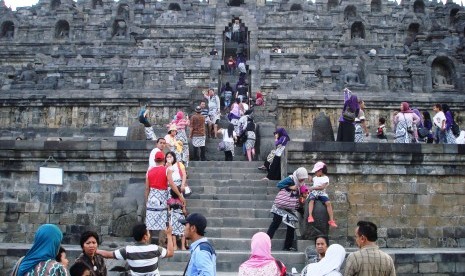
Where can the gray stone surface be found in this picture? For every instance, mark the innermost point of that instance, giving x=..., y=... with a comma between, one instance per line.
x=322, y=129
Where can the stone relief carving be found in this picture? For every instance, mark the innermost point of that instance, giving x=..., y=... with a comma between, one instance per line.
x=28, y=74
x=97, y=4
x=352, y=78
x=440, y=80
x=119, y=28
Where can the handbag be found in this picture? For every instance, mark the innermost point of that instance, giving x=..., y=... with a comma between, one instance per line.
x=221, y=146
x=287, y=199
x=270, y=156
x=423, y=132
x=348, y=114
x=187, y=190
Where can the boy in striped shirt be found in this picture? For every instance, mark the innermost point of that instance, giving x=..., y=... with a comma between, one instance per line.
x=142, y=257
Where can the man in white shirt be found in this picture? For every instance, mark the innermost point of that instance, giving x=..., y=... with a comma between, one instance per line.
x=161, y=143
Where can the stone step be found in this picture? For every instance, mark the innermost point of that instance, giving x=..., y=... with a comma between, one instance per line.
x=267, y=197
x=263, y=222
x=229, y=169
x=261, y=204
x=226, y=176
x=209, y=188
x=254, y=182
x=224, y=164
x=237, y=212
x=241, y=232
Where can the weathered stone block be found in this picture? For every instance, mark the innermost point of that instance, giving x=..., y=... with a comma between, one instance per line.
x=428, y=267
x=406, y=268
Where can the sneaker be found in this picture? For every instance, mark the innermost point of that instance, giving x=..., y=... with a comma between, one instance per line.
x=310, y=219
x=263, y=168
x=290, y=249
x=332, y=223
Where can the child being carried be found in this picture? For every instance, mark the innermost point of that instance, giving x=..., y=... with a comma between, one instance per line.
x=318, y=192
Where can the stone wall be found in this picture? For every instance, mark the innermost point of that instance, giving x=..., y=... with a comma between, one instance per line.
x=414, y=193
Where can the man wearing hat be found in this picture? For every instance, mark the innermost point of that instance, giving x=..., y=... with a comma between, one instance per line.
x=202, y=260
x=156, y=194
x=197, y=134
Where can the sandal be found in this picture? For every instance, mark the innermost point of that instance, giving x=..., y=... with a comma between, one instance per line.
x=332, y=223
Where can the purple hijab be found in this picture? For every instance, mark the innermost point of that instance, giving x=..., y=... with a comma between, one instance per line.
x=352, y=103
x=283, y=138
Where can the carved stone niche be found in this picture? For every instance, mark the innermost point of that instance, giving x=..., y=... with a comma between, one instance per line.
x=296, y=7
x=55, y=4
x=399, y=80
x=96, y=4
x=119, y=29
x=376, y=6
x=7, y=30
x=235, y=3
x=62, y=29
x=332, y=4
x=357, y=30
x=442, y=74
x=174, y=7
x=419, y=6
x=412, y=32
x=350, y=12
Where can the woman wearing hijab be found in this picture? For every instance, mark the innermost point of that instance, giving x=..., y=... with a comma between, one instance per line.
x=404, y=123
x=329, y=265
x=346, y=129
x=274, y=165
x=260, y=263
x=292, y=184
x=181, y=125
x=41, y=257
x=450, y=137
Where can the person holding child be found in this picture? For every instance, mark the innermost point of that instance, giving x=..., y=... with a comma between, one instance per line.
x=286, y=214
x=318, y=192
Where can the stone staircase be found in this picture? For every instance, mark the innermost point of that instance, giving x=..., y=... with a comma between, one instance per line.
x=236, y=204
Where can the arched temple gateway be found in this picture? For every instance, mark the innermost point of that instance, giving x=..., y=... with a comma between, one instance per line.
x=76, y=70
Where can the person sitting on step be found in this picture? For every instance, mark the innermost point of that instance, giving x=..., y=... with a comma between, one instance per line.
x=318, y=192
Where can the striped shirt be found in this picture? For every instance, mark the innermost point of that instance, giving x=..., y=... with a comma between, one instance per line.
x=369, y=261
x=142, y=258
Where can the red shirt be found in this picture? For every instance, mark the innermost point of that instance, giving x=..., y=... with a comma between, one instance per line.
x=157, y=178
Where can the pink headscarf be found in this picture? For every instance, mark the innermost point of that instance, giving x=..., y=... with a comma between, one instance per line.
x=405, y=108
x=261, y=251
x=179, y=116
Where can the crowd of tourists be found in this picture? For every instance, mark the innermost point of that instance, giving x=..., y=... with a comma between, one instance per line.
x=166, y=190
x=409, y=125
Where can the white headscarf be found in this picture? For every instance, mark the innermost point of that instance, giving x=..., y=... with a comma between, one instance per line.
x=330, y=264
x=300, y=173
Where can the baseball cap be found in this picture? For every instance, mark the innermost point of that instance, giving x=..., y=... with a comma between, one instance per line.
x=318, y=166
x=159, y=156
x=196, y=219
